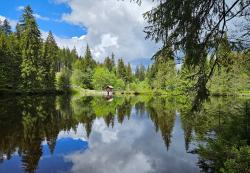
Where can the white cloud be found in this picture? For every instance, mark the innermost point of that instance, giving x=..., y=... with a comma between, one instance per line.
x=38, y=16
x=78, y=134
x=12, y=22
x=132, y=146
x=113, y=26
x=20, y=8
x=111, y=151
x=78, y=42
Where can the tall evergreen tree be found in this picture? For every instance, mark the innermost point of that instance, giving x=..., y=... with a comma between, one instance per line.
x=129, y=73
x=5, y=27
x=121, y=70
x=4, y=63
x=18, y=30
x=140, y=72
x=108, y=63
x=30, y=47
x=113, y=59
x=89, y=61
x=9, y=58
x=87, y=68
x=49, y=58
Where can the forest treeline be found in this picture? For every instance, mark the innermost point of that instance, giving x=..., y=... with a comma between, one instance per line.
x=27, y=62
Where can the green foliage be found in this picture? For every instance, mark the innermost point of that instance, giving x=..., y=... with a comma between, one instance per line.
x=77, y=78
x=140, y=87
x=30, y=43
x=88, y=59
x=166, y=76
x=109, y=63
x=85, y=68
x=140, y=72
x=9, y=61
x=232, y=76
x=102, y=108
x=48, y=62
x=66, y=58
x=102, y=77
x=63, y=80
x=121, y=70
x=222, y=150
x=129, y=73
x=238, y=161
x=5, y=27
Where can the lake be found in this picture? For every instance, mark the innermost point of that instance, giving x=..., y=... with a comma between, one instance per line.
x=118, y=135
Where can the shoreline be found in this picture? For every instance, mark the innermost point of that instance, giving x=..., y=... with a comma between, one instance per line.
x=88, y=92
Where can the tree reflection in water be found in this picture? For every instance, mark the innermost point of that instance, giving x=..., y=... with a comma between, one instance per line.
x=26, y=122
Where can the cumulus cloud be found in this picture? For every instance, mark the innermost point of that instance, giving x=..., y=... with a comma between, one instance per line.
x=78, y=134
x=132, y=146
x=113, y=26
x=75, y=42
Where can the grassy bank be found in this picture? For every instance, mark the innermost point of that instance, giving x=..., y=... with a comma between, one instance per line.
x=87, y=92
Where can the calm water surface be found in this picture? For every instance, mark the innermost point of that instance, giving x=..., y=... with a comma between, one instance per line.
x=124, y=135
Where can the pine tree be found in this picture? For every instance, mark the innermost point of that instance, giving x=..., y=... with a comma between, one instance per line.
x=30, y=47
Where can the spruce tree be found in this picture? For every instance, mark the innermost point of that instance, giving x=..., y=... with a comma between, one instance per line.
x=121, y=70
x=9, y=57
x=137, y=72
x=14, y=58
x=89, y=61
x=48, y=62
x=5, y=27
x=30, y=47
x=113, y=60
x=108, y=64
x=129, y=73
x=4, y=63
x=88, y=68
x=140, y=73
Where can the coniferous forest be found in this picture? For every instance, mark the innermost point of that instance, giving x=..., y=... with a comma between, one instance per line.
x=32, y=64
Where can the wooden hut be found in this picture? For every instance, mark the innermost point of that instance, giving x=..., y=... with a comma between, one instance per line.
x=109, y=90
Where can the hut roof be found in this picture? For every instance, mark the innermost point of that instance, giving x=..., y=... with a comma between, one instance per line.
x=109, y=86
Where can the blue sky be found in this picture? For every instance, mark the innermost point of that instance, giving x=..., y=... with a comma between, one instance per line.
x=48, y=15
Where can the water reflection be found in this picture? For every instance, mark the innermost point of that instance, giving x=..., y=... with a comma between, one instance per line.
x=127, y=134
